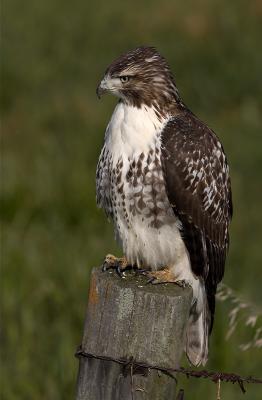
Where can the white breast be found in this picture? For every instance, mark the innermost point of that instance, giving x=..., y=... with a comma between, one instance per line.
x=132, y=130
x=145, y=223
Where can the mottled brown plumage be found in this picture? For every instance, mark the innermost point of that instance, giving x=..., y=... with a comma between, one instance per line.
x=163, y=178
x=199, y=189
x=150, y=80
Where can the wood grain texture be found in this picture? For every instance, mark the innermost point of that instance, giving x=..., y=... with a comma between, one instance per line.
x=128, y=318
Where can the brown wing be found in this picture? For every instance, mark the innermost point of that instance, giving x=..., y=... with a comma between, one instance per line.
x=198, y=187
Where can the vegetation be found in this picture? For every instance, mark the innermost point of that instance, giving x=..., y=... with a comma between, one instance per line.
x=54, y=54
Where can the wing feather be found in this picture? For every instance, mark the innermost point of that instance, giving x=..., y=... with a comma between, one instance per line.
x=198, y=187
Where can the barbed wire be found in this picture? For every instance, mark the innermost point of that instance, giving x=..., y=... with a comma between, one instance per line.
x=143, y=368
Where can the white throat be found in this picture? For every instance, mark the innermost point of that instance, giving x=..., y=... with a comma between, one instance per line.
x=133, y=130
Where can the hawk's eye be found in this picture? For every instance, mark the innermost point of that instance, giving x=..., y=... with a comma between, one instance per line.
x=124, y=79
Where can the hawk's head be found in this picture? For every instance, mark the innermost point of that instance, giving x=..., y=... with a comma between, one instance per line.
x=140, y=76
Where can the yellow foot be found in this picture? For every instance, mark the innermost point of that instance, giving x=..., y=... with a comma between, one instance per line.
x=165, y=275
x=162, y=276
x=119, y=264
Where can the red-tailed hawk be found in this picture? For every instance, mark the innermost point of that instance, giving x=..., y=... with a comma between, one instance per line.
x=163, y=178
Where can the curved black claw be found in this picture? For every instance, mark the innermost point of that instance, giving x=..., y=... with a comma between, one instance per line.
x=105, y=266
x=139, y=271
x=150, y=280
x=182, y=283
x=119, y=270
x=118, y=264
x=156, y=281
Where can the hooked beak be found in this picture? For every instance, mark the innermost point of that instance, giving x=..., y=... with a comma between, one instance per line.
x=101, y=88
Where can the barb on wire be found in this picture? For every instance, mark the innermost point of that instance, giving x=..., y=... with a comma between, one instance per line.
x=138, y=368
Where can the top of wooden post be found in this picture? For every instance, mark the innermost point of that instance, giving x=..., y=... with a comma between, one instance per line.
x=126, y=317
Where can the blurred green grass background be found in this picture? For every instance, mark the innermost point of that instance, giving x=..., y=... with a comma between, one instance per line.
x=53, y=55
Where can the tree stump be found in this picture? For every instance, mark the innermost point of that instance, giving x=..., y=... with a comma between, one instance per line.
x=128, y=319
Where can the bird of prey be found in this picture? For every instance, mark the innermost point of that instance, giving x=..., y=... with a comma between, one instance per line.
x=163, y=178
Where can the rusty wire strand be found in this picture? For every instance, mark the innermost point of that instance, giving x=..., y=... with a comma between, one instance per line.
x=213, y=376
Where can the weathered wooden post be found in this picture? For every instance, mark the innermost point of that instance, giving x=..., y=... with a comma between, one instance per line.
x=128, y=319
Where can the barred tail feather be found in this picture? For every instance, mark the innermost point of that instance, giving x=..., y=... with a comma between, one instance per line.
x=198, y=332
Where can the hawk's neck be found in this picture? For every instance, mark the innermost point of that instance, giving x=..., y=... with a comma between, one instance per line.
x=134, y=130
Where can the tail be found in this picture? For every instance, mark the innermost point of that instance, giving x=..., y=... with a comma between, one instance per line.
x=197, y=335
